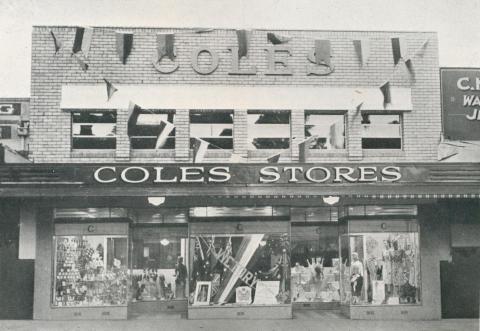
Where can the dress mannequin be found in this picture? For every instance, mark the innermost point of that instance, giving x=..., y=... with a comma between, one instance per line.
x=372, y=266
x=410, y=265
x=356, y=278
x=397, y=267
x=316, y=278
x=387, y=268
x=180, y=278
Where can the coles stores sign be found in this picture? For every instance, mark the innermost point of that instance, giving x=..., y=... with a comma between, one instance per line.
x=245, y=175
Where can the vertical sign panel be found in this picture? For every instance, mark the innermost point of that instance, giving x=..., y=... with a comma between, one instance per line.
x=461, y=103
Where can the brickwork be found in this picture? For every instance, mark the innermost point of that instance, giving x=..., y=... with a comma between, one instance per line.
x=240, y=133
x=182, y=134
x=51, y=126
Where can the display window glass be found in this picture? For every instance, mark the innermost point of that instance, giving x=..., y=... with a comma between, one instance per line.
x=90, y=271
x=381, y=268
x=241, y=269
x=159, y=270
x=315, y=264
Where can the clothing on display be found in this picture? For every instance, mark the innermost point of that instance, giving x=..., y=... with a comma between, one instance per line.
x=387, y=271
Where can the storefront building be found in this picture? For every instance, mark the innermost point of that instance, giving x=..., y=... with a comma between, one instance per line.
x=239, y=174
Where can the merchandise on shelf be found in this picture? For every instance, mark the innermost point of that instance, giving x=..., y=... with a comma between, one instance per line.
x=83, y=277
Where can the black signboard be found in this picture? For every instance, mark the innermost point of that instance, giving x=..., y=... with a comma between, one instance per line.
x=461, y=103
x=10, y=108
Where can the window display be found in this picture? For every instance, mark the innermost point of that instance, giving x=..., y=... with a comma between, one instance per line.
x=90, y=271
x=381, y=268
x=240, y=269
x=158, y=265
x=315, y=264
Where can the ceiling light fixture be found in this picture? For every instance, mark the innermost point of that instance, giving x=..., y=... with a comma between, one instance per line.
x=331, y=200
x=164, y=242
x=156, y=201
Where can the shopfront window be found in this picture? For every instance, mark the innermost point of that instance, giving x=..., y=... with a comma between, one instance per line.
x=159, y=270
x=268, y=129
x=90, y=271
x=153, y=130
x=241, y=269
x=381, y=131
x=5, y=132
x=315, y=264
x=381, y=268
x=328, y=130
x=94, y=130
x=212, y=126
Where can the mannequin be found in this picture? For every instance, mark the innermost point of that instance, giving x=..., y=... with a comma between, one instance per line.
x=180, y=278
x=410, y=265
x=316, y=278
x=397, y=268
x=372, y=267
x=356, y=278
x=387, y=268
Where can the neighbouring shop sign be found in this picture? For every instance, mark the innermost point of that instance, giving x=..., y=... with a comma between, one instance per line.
x=246, y=174
x=10, y=108
x=461, y=103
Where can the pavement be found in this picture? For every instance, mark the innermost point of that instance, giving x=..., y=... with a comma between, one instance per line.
x=302, y=321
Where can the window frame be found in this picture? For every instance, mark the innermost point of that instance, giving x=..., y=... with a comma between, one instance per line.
x=172, y=134
x=342, y=113
x=251, y=147
x=81, y=112
x=401, y=131
x=211, y=147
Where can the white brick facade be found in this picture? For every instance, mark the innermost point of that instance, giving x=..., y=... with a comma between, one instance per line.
x=51, y=126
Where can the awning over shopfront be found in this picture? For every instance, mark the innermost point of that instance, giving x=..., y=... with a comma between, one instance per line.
x=284, y=180
x=163, y=96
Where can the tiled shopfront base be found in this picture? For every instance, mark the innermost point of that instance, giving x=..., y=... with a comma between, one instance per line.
x=241, y=312
x=150, y=308
x=88, y=313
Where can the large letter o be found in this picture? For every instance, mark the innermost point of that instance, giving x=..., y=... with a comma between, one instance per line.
x=211, y=68
x=123, y=175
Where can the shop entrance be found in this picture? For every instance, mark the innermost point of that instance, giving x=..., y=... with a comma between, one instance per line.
x=159, y=271
x=460, y=285
x=315, y=263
